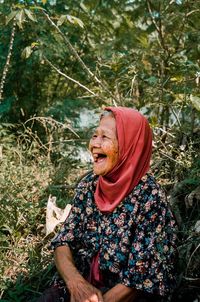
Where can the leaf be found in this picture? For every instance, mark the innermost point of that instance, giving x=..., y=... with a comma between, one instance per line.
x=52, y=2
x=26, y=52
x=30, y=15
x=84, y=8
x=34, y=44
x=143, y=39
x=44, y=2
x=195, y=100
x=197, y=226
x=178, y=78
x=61, y=20
x=36, y=7
x=11, y=16
x=20, y=17
x=152, y=80
x=71, y=19
x=91, y=42
x=75, y=20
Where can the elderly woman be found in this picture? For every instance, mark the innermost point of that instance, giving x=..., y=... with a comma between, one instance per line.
x=118, y=243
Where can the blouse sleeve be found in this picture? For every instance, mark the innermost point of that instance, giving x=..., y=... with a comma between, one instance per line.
x=71, y=230
x=152, y=252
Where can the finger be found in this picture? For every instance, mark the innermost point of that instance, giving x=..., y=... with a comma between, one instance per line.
x=94, y=298
x=100, y=296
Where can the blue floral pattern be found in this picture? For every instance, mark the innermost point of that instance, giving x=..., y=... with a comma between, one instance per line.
x=136, y=242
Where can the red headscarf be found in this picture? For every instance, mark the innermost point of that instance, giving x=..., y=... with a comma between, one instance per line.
x=135, y=146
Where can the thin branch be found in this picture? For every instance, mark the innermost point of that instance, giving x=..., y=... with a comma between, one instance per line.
x=192, y=12
x=171, y=158
x=164, y=131
x=74, y=52
x=5, y=70
x=72, y=49
x=51, y=121
x=158, y=27
x=176, y=116
x=69, y=78
x=198, y=246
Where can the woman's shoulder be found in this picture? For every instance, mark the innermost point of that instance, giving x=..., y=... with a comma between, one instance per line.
x=85, y=188
x=149, y=182
x=149, y=189
x=89, y=179
x=151, y=192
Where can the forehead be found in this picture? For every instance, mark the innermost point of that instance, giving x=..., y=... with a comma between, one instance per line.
x=107, y=124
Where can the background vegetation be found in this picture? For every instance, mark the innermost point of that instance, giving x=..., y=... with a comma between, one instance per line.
x=61, y=61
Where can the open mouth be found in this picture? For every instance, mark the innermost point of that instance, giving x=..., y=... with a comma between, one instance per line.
x=98, y=157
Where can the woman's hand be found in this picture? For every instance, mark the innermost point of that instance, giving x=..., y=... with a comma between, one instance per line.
x=82, y=291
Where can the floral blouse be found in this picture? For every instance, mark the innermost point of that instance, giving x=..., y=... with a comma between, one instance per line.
x=136, y=242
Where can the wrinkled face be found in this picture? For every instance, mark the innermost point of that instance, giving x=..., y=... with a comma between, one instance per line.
x=104, y=146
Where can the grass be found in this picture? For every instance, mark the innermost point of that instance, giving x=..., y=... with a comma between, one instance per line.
x=22, y=217
x=27, y=176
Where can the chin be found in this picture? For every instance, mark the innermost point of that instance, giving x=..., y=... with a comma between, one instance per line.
x=98, y=172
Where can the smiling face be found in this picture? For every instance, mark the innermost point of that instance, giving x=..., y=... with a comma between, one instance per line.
x=104, y=146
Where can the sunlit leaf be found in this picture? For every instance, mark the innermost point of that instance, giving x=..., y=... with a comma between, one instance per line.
x=177, y=79
x=11, y=16
x=20, y=17
x=71, y=19
x=61, y=20
x=84, y=8
x=144, y=41
x=154, y=121
x=91, y=42
x=36, y=7
x=75, y=20
x=30, y=15
x=195, y=100
x=26, y=52
x=20, y=6
x=44, y=2
x=34, y=44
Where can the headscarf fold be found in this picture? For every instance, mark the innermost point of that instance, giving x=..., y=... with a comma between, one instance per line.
x=135, y=147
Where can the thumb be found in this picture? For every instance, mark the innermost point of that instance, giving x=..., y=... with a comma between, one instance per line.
x=94, y=298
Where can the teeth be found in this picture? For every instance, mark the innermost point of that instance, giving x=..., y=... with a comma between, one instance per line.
x=97, y=156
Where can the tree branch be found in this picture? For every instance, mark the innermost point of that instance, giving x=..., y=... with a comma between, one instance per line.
x=158, y=27
x=69, y=78
x=74, y=52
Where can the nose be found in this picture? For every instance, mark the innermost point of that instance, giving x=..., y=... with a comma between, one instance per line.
x=96, y=142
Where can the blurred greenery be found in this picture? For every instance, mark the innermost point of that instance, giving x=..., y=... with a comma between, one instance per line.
x=60, y=62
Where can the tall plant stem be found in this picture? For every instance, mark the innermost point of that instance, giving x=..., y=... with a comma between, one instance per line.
x=5, y=70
